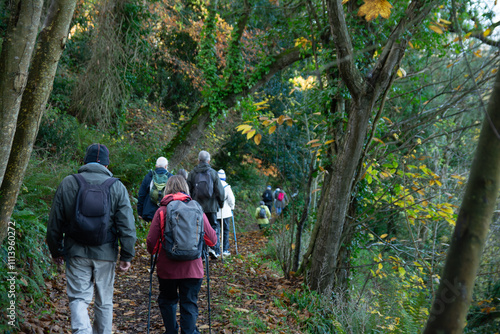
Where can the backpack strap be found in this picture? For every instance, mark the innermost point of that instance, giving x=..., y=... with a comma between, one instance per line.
x=81, y=180
x=162, y=212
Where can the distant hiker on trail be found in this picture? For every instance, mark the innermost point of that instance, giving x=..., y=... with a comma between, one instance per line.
x=281, y=200
x=205, y=187
x=226, y=212
x=151, y=190
x=267, y=197
x=179, y=280
x=183, y=173
x=92, y=198
x=263, y=215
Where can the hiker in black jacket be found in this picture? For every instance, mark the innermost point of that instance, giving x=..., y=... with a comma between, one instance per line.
x=145, y=207
x=268, y=198
x=210, y=196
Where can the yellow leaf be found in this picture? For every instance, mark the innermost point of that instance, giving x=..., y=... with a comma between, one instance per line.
x=289, y=122
x=388, y=120
x=281, y=119
x=272, y=129
x=242, y=127
x=449, y=65
x=411, y=45
x=380, y=266
x=444, y=21
x=329, y=141
x=495, y=70
x=467, y=35
x=378, y=140
x=478, y=54
x=383, y=236
x=250, y=134
x=487, y=32
x=316, y=145
x=257, y=138
x=401, y=72
x=260, y=103
x=435, y=29
x=312, y=141
x=371, y=9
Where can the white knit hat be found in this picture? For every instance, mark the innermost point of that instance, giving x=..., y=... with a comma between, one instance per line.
x=222, y=174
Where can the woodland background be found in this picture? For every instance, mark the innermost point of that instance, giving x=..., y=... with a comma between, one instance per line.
x=368, y=113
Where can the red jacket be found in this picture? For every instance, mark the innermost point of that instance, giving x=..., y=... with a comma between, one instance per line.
x=170, y=269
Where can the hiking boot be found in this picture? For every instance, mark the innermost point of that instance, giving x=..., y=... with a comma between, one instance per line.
x=212, y=253
x=226, y=253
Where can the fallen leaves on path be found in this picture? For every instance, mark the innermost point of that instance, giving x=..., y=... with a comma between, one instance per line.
x=243, y=290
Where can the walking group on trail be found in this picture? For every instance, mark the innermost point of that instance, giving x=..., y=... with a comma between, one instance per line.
x=91, y=222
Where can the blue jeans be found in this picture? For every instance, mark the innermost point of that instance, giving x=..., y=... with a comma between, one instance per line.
x=214, y=222
x=82, y=275
x=225, y=231
x=171, y=292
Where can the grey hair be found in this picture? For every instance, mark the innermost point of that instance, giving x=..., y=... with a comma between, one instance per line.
x=161, y=162
x=176, y=184
x=204, y=156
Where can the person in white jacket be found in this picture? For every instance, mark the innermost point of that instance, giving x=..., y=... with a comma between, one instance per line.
x=226, y=212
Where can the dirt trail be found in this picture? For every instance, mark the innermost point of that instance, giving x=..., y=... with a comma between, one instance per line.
x=240, y=286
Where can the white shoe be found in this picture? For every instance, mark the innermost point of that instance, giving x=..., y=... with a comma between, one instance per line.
x=226, y=253
x=212, y=254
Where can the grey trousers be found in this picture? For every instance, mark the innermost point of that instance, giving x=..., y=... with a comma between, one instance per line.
x=82, y=275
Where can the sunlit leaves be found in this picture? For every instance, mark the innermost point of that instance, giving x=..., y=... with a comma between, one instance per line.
x=371, y=9
x=301, y=84
x=303, y=43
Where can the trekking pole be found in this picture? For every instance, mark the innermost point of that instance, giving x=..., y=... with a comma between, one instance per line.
x=208, y=290
x=234, y=230
x=221, y=242
x=153, y=263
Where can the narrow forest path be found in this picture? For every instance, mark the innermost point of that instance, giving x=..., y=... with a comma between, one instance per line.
x=243, y=289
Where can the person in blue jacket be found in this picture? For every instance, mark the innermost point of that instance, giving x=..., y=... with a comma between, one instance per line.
x=146, y=208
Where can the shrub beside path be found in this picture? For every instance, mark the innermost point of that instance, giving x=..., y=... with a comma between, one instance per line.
x=244, y=289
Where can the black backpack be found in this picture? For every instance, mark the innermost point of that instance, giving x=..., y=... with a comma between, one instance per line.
x=184, y=230
x=90, y=224
x=262, y=212
x=203, y=186
x=157, y=187
x=267, y=196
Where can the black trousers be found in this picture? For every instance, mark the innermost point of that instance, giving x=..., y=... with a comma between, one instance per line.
x=171, y=292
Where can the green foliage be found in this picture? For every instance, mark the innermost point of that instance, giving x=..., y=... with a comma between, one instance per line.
x=57, y=133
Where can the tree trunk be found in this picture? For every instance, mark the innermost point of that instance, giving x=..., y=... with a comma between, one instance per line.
x=17, y=49
x=336, y=201
x=50, y=46
x=454, y=294
x=365, y=91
